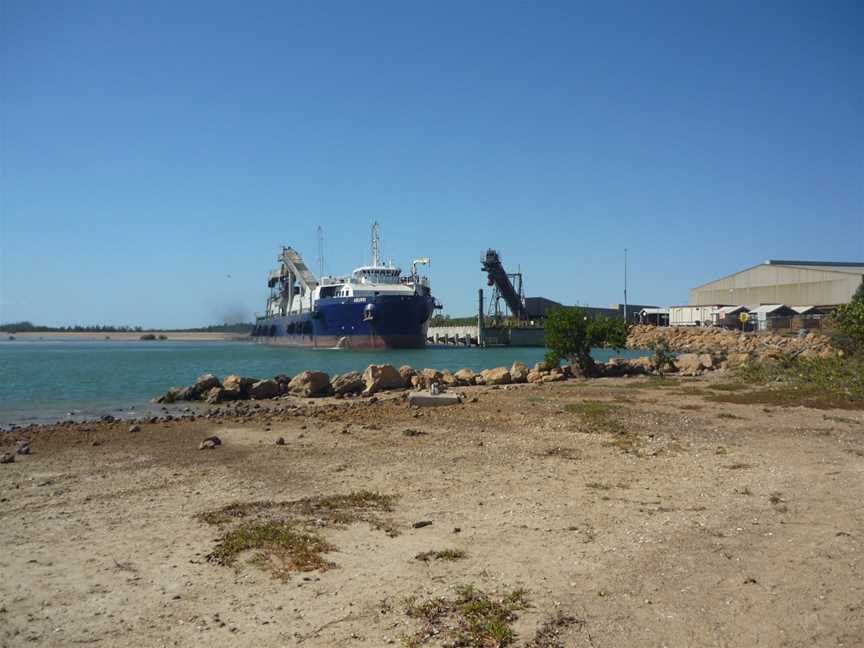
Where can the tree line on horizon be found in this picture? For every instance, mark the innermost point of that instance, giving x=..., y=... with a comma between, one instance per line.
x=29, y=327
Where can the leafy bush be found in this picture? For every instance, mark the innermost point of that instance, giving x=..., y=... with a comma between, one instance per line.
x=841, y=378
x=849, y=319
x=571, y=335
x=663, y=354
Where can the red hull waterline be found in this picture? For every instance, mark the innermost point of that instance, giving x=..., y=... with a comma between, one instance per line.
x=346, y=342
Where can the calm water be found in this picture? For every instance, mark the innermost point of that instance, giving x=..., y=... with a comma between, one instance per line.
x=46, y=380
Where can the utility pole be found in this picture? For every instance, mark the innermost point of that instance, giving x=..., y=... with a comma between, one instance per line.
x=320, y=251
x=625, y=286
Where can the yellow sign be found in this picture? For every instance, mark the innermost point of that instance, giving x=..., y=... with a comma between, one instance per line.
x=744, y=317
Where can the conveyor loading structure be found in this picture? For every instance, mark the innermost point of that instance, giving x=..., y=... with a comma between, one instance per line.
x=499, y=278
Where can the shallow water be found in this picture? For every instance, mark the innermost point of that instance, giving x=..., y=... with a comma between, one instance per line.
x=47, y=379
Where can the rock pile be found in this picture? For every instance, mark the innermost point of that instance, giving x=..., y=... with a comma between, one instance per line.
x=694, y=339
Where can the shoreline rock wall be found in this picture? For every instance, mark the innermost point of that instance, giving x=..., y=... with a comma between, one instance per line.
x=694, y=339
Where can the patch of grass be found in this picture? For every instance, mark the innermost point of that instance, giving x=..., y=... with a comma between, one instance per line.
x=285, y=536
x=819, y=383
x=690, y=406
x=591, y=410
x=600, y=418
x=743, y=491
x=729, y=415
x=728, y=387
x=443, y=554
x=789, y=397
x=549, y=634
x=357, y=506
x=739, y=466
x=690, y=391
x=472, y=619
x=599, y=486
x=278, y=545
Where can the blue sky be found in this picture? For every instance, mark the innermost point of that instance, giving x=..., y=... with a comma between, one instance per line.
x=155, y=155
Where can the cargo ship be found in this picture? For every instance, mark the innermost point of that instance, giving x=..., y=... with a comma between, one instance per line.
x=375, y=307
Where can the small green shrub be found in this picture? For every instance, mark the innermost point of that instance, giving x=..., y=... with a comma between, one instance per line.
x=664, y=357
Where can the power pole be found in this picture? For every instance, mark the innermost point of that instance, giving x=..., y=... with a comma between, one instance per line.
x=625, y=286
x=320, y=251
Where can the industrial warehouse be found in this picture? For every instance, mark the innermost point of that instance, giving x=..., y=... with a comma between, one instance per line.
x=772, y=295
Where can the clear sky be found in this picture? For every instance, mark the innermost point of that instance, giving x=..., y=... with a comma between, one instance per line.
x=156, y=154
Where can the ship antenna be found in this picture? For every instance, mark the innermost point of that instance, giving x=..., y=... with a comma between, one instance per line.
x=320, y=251
x=376, y=244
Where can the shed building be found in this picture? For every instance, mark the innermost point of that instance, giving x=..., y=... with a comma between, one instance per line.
x=812, y=283
x=773, y=316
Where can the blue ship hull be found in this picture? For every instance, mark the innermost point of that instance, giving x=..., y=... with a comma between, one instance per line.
x=379, y=322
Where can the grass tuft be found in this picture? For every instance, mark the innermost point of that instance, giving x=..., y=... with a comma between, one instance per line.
x=443, y=554
x=549, y=634
x=473, y=618
x=277, y=545
x=284, y=537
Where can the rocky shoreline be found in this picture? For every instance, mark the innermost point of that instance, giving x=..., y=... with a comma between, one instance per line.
x=694, y=339
x=698, y=351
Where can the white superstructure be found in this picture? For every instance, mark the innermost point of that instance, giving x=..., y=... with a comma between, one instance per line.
x=295, y=290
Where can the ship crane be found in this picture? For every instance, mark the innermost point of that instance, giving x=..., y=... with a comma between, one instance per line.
x=421, y=261
x=292, y=269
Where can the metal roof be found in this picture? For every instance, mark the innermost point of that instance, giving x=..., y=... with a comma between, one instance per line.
x=726, y=310
x=853, y=267
x=818, y=264
x=768, y=308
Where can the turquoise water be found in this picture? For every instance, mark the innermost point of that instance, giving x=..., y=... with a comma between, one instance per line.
x=52, y=380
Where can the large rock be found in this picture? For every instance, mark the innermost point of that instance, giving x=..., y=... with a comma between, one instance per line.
x=425, y=378
x=238, y=384
x=216, y=395
x=497, y=376
x=205, y=383
x=519, y=372
x=553, y=377
x=283, y=380
x=310, y=384
x=465, y=377
x=382, y=377
x=643, y=364
x=348, y=383
x=449, y=379
x=407, y=374
x=265, y=389
x=688, y=364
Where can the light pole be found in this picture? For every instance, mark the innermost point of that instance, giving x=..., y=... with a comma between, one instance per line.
x=625, y=286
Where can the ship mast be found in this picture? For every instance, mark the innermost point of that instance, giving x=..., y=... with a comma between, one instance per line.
x=376, y=245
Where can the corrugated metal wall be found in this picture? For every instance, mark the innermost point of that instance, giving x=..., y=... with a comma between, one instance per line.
x=773, y=284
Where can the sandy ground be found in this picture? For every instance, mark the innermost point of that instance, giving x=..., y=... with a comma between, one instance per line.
x=198, y=337
x=744, y=529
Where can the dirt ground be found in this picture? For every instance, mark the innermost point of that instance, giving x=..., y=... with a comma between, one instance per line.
x=653, y=516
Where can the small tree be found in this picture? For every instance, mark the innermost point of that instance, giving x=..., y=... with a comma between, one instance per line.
x=858, y=297
x=663, y=354
x=571, y=335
